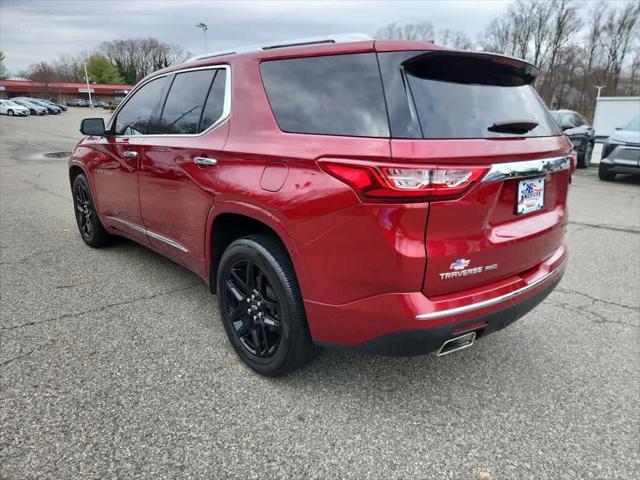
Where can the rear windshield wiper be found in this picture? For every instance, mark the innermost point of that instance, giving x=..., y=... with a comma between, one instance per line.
x=513, y=126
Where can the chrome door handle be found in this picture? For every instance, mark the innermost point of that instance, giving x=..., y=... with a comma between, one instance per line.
x=129, y=154
x=205, y=162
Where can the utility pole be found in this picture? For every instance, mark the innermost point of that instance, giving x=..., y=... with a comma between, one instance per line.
x=86, y=77
x=599, y=87
x=204, y=28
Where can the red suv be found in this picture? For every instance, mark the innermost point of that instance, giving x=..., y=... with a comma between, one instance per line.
x=387, y=197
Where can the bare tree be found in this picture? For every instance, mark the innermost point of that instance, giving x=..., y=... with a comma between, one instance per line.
x=592, y=48
x=410, y=31
x=497, y=36
x=571, y=60
x=69, y=68
x=540, y=32
x=619, y=32
x=137, y=58
x=3, y=70
x=633, y=88
x=521, y=14
x=45, y=74
x=565, y=24
x=454, y=39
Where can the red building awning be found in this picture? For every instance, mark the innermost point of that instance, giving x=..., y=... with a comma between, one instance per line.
x=68, y=88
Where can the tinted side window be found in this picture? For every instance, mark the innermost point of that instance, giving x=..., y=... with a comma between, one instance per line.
x=183, y=107
x=135, y=116
x=332, y=95
x=214, y=107
x=578, y=121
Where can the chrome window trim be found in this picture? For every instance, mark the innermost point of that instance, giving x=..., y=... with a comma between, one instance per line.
x=527, y=168
x=150, y=233
x=226, y=108
x=491, y=301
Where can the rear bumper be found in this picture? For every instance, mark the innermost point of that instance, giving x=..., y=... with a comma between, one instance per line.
x=419, y=342
x=412, y=324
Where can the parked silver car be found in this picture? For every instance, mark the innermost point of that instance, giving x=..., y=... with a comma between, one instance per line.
x=48, y=109
x=34, y=108
x=7, y=107
x=621, y=152
x=51, y=108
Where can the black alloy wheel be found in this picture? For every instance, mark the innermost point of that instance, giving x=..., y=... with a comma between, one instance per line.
x=91, y=230
x=84, y=211
x=253, y=309
x=261, y=306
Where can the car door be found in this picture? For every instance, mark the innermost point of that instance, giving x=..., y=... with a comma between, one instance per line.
x=178, y=165
x=3, y=107
x=117, y=162
x=585, y=128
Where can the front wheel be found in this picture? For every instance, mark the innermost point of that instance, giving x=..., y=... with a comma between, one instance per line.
x=10, y=112
x=606, y=174
x=91, y=229
x=261, y=306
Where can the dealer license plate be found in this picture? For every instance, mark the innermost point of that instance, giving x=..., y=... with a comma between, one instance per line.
x=530, y=195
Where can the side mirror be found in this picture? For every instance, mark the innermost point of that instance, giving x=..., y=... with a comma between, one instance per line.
x=92, y=126
x=566, y=126
x=618, y=128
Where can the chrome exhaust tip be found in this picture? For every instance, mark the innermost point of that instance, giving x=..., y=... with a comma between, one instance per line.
x=457, y=344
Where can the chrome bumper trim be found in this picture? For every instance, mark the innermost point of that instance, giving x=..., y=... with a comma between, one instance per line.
x=527, y=168
x=491, y=301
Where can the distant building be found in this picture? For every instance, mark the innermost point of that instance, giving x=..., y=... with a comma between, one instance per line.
x=62, y=91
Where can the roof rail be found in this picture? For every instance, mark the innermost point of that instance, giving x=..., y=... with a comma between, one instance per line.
x=299, y=42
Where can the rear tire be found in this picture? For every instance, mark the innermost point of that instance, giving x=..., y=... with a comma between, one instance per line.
x=606, y=175
x=585, y=159
x=261, y=306
x=91, y=229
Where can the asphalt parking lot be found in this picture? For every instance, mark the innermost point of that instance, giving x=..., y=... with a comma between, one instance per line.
x=114, y=363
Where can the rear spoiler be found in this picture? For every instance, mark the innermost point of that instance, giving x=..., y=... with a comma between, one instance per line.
x=471, y=67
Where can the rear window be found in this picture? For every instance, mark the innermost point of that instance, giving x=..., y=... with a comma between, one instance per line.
x=183, y=108
x=450, y=96
x=331, y=95
x=214, y=107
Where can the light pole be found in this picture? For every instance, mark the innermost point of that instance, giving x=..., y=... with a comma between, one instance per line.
x=86, y=77
x=203, y=27
x=599, y=87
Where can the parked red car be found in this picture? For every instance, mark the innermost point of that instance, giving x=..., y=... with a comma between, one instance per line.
x=387, y=197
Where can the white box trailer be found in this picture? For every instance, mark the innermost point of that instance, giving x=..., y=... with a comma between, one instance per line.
x=612, y=113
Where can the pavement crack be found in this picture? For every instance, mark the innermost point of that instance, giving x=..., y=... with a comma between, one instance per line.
x=595, y=317
x=41, y=188
x=29, y=257
x=37, y=349
x=614, y=228
x=102, y=308
x=597, y=300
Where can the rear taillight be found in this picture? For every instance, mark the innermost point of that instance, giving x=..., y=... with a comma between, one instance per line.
x=376, y=181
